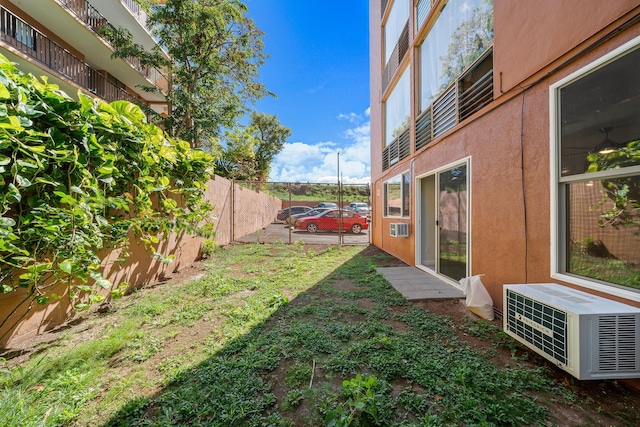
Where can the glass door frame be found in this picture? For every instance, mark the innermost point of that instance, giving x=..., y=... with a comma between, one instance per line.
x=427, y=223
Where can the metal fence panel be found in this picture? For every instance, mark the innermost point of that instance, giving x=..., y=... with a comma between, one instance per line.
x=312, y=213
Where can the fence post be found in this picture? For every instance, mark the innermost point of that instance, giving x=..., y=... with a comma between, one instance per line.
x=233, y=210
x=288, y=219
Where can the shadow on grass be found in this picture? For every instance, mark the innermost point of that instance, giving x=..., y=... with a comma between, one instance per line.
x=289, y=369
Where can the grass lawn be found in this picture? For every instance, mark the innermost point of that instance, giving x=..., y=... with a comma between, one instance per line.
x=277, y=335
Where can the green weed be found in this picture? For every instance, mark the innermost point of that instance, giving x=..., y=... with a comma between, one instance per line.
x=285, y=330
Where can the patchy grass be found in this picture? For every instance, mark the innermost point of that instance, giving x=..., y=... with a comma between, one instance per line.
x=276, y=335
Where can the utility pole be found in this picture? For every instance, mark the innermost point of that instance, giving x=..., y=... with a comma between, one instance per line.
x=340, y=220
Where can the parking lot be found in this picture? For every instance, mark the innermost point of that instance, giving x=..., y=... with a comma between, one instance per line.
x=279, y=232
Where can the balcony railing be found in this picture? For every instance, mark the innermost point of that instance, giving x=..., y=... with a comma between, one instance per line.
x=137, y=12
x=396, y=57
x=31, y=42
x=398, y=149
x=383, y=6
x=467, y=95
x=88, y=14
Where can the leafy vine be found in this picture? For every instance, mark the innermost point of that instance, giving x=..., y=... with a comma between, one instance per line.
x=79, y=178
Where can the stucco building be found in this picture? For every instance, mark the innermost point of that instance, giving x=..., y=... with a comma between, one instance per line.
x=505, y=135
x=59, y=39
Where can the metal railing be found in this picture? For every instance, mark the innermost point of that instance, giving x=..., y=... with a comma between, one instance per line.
x=89, y=15
x=34, y=44
x=466, y=95
x=400, y=50
x=396, y=150
x=135, y=9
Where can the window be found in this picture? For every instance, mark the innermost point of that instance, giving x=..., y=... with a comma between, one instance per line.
x=463, y=31
x=596, y=119
x=397, y=196
x=422, y=11
x=398, y=17
x=398, y=109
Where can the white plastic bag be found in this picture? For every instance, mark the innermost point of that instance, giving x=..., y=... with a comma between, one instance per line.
x=478, y=300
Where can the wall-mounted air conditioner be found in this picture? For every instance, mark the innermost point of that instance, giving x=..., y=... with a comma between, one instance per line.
x=588, y=336
x=399, y=229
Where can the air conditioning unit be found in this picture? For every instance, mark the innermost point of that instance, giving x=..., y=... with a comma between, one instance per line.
x=399, y=229
x=588, y=336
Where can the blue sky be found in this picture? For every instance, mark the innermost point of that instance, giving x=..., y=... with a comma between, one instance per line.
x=319, y=70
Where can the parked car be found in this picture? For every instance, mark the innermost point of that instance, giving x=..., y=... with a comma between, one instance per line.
x=331, y=220
x=284, y=214
x=361, y=208
x=329, y=205
x=312, y=212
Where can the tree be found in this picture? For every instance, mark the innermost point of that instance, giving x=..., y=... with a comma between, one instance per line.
x=251, y=149
x=622, y=193
x=270, y=136
x=213, y=53
x=468, y=41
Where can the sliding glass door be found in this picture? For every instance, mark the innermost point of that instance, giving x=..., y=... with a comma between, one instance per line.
x=444, y=201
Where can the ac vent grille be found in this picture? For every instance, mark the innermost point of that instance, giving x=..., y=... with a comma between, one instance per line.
x=617, y=343
x=541, y=325
x=399, y=229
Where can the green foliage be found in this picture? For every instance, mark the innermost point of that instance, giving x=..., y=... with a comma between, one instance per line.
x=78, y=178
x=250, y=150
x=318, y=192
x=623, y=191
x=366, y=403
x=209, y=247
x=274, y=360
x=213, y=53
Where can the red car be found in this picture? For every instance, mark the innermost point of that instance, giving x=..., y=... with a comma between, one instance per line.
x=333, y=220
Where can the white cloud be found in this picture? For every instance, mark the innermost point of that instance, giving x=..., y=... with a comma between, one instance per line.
x=303, y=162
x=352, y=117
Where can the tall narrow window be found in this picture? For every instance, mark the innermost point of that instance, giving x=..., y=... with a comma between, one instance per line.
x=398, y=109
x=463, y=31
x=397, y=196
x=598, y=171
x=398, y=17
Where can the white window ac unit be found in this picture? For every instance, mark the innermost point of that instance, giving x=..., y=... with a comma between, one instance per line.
x=399, y=229
x=588, y=336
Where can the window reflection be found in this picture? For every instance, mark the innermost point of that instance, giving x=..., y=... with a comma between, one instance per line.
x=397, y=109
x=604, y=230
x=463, y=31
x=398, y=17
x=600, y=118
x=397, y=196
x=453, y=222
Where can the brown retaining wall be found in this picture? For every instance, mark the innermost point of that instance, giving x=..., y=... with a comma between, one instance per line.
x=230, y=200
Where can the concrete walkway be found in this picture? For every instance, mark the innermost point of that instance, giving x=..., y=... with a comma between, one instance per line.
x=415, y=284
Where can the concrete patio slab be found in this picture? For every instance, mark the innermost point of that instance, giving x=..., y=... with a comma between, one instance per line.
x=415, y=284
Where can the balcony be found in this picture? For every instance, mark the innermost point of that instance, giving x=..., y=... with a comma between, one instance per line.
x=400, y=50
x=86, y=13
x=32, y=43
x=468, y=94
x=398, y=149
x=75, y=23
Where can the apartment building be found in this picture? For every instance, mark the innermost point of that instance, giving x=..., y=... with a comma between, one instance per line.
x=504, y=141
x=59, y=39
